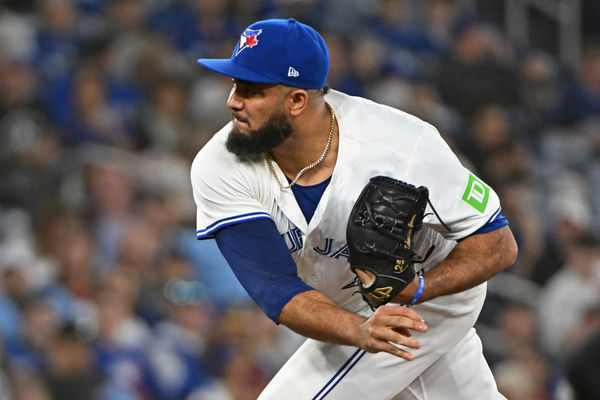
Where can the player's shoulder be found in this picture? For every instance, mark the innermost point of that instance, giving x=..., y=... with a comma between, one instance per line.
x=215, y=166
x=346, y=104
x=214, y=154
x=375, y=123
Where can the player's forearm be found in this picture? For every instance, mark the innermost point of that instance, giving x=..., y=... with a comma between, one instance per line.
x=472, y=262
x=314, y=315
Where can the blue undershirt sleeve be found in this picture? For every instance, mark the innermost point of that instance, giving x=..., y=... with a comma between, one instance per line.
x=497, y=221
x=261, y=261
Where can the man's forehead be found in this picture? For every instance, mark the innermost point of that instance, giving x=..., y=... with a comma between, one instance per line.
x=265, y=86
x=257, y=85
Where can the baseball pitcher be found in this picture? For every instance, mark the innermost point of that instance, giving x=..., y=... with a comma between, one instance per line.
x=352, y=223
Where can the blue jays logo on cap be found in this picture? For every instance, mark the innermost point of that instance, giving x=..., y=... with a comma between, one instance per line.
x=285, y=51
x=248, y=39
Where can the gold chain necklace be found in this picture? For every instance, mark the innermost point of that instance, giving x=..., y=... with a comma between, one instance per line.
x=303, y=170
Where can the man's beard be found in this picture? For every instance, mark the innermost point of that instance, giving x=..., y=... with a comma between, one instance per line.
x=252, y=146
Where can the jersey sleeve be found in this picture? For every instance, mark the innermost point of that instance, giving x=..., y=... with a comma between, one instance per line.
x=460, y=202
x=223, y=192
x=261, y=261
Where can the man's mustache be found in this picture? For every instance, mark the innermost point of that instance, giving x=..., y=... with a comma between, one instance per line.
x=239, y=118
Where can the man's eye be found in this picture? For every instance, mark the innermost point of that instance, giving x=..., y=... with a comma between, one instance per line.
x=247, y=91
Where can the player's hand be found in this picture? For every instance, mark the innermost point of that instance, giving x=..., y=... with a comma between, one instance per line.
x=389, y=326
x=404, y=297
x=366, y=277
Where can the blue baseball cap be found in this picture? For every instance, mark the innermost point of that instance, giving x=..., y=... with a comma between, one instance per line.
x=277, y=51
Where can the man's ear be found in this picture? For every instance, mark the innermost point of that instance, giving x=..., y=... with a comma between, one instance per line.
x=297, y=101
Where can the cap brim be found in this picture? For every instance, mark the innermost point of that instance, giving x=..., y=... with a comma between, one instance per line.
x=228, y=68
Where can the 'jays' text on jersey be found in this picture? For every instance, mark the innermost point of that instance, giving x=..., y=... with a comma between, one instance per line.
x=373, y=140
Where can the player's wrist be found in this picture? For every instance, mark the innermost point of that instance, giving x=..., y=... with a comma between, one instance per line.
x=420, y=289
x=408, y=293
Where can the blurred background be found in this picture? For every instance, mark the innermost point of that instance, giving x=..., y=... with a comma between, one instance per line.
x=105, y=292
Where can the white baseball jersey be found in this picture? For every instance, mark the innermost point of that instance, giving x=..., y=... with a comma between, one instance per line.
x=373, y=140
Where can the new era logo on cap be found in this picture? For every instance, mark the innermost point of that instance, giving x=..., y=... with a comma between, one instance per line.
x=293, y=73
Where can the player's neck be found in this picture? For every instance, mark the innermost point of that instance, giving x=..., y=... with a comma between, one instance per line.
x=306, y=145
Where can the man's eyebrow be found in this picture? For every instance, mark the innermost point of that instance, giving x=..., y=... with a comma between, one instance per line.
x=243, y=82
x=255, y=85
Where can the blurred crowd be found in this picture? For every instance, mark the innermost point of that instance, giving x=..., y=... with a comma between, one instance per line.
x=106, y=294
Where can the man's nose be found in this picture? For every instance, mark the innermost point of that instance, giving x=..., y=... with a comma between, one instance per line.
x=234, y=101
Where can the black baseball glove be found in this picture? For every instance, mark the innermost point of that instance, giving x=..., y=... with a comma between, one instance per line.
x=380, y=236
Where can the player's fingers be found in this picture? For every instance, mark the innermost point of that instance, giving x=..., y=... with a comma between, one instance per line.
x=397, y=322
x=400, y=311
x=399, y=352
x=389, y=335
x=365, y=276
x=390, y=348
x=403, y=340
x=403, y=331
